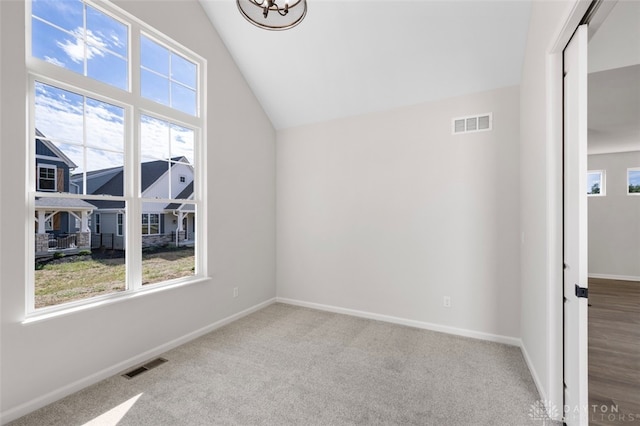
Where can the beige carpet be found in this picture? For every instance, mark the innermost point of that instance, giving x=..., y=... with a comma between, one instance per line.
x=287, y=365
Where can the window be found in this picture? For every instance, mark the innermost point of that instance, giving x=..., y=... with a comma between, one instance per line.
x=633, y=181
x=167, y=77
x=596, y=183
x=150, y=223
x=46, y=178
x=89, y=116
x=119, y=224
x=82, y=39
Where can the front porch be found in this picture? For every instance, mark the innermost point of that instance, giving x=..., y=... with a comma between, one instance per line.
x=47, y=241
x=48, y=244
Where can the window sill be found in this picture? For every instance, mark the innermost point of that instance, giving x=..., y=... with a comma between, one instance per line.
x=45, y=314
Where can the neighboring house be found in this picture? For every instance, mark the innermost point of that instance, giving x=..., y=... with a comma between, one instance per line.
x=162, y=224
x=60, y=223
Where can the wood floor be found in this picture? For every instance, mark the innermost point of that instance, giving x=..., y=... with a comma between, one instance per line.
x=614, y=351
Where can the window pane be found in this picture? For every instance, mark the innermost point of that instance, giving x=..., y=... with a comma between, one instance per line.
x=181, y=181
x=108, y=68
x=183, y=71
x=57, y=47
x=71, y=262
x=154, y=138
x=106, y=33
x=105, y=125
x=183, y=99
x=155, y=178
x=54, y=106
x=182, y=140
x=66, y=14
x=170, y=254
x=633, y=180
x=154, y=87
x=153, y=56
x=105, y=174
x=63, y=160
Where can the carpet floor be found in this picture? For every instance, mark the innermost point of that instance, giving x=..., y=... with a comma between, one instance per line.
x=287, y=365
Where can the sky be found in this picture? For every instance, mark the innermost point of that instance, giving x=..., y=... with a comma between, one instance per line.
x=92, y=135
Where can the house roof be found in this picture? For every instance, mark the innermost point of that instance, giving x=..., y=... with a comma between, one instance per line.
x=50, y=145
x=186, y=193
x=150, y=172
x=63, y=204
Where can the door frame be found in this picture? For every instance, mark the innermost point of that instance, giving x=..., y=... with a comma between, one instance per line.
x=554, y=212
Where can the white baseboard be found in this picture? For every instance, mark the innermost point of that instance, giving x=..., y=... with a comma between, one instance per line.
x=41, y=401
x=534, y=374
x=513, y=341
x=615, y=277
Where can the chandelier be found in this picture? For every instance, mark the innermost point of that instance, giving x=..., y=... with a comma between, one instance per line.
x=269, y=15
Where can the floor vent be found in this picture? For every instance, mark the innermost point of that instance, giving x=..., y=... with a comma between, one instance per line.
x=146, y=367
x=472, y=123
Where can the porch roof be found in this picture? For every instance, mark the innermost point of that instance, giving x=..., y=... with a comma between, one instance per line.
x=63, y=204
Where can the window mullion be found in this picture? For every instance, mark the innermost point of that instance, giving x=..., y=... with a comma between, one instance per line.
x=134, y=206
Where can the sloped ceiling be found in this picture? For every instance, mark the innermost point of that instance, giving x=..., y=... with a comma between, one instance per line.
x=352, y=57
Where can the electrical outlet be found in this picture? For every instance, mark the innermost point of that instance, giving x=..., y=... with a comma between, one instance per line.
x=235, y=292
x=447, y=301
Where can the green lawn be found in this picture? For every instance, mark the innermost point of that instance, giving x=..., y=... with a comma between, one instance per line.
x=71, y=279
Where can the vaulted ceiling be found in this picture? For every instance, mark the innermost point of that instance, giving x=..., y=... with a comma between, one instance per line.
x=357, y=56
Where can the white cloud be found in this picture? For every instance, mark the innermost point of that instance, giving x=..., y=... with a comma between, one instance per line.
x=75, y=48
x=54, y=61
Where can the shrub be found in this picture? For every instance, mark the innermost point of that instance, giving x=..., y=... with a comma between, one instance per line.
x=58, y=255
x=84, y=252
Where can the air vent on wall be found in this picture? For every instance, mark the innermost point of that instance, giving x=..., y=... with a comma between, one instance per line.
x=472, y=123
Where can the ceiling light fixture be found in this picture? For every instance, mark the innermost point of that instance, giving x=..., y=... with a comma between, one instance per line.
x=268, y=15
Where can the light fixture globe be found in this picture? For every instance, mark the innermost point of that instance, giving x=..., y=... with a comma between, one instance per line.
x=270, y=15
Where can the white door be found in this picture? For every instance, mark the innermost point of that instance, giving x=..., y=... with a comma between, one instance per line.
x=576, y=395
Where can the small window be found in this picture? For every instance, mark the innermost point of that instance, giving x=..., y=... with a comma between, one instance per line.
x=150, y=223
x=120, y=223
x=595, y=183
x=48, y=224
x=98, y=224
x=46, y=178
x=183, y=179
x=633, y=181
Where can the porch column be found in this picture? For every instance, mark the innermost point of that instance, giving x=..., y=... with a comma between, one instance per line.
x=180, y=218
x=41, y=221
x=84, y=221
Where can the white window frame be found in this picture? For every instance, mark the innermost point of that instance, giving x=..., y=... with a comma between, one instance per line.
x=603, y=183
x=134, y=106
x=631, y=169
x=55, y=176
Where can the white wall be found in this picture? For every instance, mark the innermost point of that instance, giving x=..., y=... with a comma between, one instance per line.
x=388, y=212
x=614, y=219
x=40, y=360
